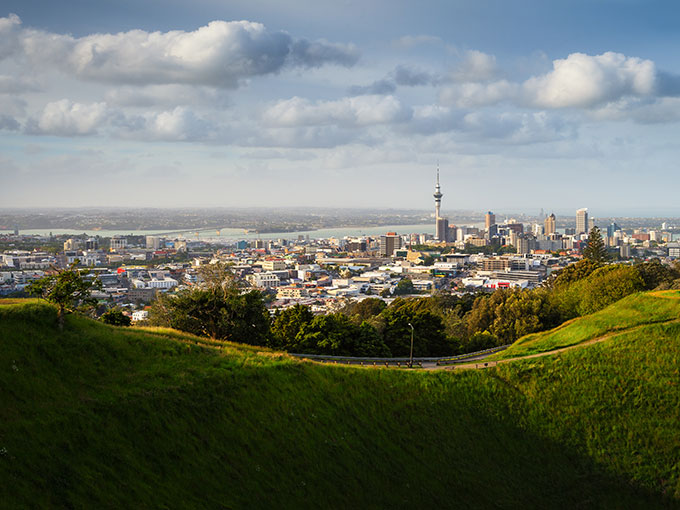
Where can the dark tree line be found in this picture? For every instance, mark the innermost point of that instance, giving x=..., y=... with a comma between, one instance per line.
x=442, y=324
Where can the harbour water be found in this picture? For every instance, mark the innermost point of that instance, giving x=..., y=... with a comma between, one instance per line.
x=236, y=234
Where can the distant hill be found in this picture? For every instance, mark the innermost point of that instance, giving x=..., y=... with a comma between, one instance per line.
x=103, y=417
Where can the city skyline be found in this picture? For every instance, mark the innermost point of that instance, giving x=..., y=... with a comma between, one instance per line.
x=344, y=105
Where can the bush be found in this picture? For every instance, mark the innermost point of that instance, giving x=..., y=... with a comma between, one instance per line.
x=115, y=317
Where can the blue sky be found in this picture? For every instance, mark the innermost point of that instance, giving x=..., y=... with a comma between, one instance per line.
x=523, y=104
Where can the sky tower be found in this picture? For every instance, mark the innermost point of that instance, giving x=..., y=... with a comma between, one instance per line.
x=439, y=228
x=437, y=197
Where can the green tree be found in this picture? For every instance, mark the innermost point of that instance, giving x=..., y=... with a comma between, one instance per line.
x=429, y=333
x=606, y=286
x=595, y=251
x=115, y=317
x=287, y=324
x=335, y=334
x=218, y=309
x=360, y=311
x=67, y=288
x=405, y=286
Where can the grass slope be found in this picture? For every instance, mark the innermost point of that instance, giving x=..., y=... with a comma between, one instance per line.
x=96, y=416
x=632, y=311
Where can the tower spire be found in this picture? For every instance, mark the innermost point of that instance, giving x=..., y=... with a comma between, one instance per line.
x=437, y=208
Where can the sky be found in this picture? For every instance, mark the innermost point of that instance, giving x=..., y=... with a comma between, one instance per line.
x=522, y=104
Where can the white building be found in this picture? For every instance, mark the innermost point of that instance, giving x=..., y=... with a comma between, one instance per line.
x=264, y=280
x=140, y=315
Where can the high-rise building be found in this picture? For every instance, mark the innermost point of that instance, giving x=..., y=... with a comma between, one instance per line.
x=443, y=230
x=549, y=225
x=438, y=234
x=582, y=221
x=611, y=228
x=389, y=243
x=489, y=219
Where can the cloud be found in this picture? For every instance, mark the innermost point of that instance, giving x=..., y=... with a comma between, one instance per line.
x=346, y=112
x=470, y=95
x=9, y=123
x=518, y=127
x=380, y=87
x=167, y=96
x=9, y=35
x=66, y=118
x=16, y=85
x=220, y=54
x=475, y=67
x=411, y=41
x=585, y=81
x=401, y=75
x=179, y=124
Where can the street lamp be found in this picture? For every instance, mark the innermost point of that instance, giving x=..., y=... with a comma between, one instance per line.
x=410, y=365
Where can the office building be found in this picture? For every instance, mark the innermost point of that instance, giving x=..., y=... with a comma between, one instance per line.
x=443, y=229
x=389, y=243
x=582, y=221
x=549, y=225
x=489, y=220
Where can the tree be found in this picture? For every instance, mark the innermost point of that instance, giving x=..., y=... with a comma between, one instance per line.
x=218, y=309
x=405, y=286
x=365, y=309
x=287, y=324
x=595, y=251
x=115, y=317
x=67, y=288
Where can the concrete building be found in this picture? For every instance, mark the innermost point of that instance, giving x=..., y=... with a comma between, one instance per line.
x=118, y=243
x=549, y=225
x=489, y=220
x=389, y=243
x=582, y=221
x=442, y=230
x=264, y=280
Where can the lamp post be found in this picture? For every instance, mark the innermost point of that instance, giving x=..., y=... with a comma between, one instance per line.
x=410, y=364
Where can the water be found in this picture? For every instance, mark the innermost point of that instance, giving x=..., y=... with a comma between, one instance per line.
x=236, y=234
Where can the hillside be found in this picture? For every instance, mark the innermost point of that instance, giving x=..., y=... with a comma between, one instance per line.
x=96, y=416
x=634, y=311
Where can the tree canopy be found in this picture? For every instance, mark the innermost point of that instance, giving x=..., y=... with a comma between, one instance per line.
x=67, y=288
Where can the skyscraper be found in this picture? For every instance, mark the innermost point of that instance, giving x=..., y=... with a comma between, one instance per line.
x=582, y=221
x=549, y=225
x=388, y=243
x=438, y=233
x=489, y=219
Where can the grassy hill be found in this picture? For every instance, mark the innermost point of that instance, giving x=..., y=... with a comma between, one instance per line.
x=634, y=311
x=96, y=416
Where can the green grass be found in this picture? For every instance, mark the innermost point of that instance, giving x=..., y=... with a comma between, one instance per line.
x=632, y=311
x=101, y=417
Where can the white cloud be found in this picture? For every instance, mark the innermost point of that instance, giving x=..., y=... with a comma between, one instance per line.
x=468, y=95
x=585, y=81
x=220, y=54
x=475, y=67
x=347, y=112
x=66, y=118
x=179, y=124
